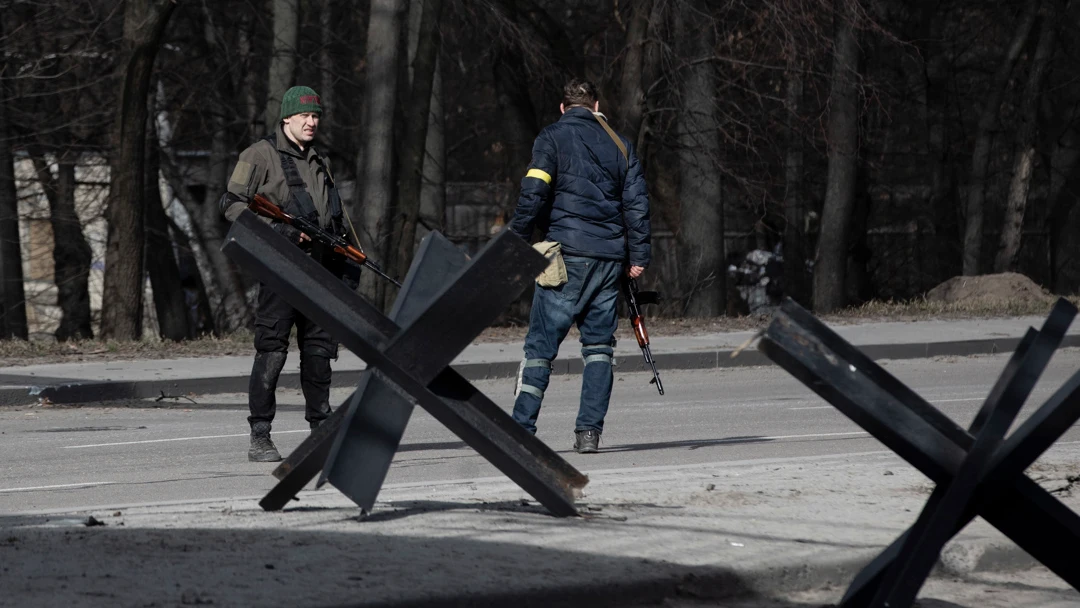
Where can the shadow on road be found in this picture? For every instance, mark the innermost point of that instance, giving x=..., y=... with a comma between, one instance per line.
x=63, y=562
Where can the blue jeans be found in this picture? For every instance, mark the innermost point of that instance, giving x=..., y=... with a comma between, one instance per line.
x=588, y=298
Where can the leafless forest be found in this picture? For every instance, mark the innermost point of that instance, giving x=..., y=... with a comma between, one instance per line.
x=884, y=145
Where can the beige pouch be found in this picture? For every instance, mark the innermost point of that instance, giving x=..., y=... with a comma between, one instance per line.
x=555, y=274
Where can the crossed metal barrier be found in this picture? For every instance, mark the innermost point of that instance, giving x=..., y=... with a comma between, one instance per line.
x=445, y=302
x=977, y=470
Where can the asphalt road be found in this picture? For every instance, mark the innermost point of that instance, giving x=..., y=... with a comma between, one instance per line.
x=114, y=455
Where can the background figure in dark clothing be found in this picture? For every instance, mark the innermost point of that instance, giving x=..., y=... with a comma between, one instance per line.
x=286, y=169
x=586, y=190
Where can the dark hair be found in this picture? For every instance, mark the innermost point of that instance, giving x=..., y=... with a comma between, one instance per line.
x=579, y=92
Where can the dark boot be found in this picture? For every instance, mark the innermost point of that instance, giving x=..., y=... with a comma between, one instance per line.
x=262, y=447
x=587, y=442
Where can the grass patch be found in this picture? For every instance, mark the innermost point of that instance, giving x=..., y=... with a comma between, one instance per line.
x=22, y=352
x=19, y=352
x=923, y=309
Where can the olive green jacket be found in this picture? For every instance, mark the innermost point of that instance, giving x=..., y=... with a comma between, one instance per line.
x=258, y=171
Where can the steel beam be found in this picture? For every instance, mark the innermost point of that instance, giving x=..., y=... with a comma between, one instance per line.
x=938, y=447
x=413, y=358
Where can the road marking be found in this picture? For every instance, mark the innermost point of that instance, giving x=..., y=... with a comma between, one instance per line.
x=826, y=407
x=779, y=437
x=102, y=445
x=62, y=486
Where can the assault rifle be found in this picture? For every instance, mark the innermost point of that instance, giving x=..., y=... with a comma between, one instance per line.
x=634, y=298
x=262, y=206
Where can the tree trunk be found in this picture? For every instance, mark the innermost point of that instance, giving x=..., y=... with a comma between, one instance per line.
x=121, y=316
x=283, y=60
x=206, y=260
x=326, y=73
x=980, y=157
x=71, y=252
x=1024, y=161
x=12, y=297
x=433, y=187
x=376, y=167
x=650, y=73
x=232, y=309
x=796, y=247
x=247, y=77
x=843, y=135
x=161, y=263
x=701, y=205
x=200, y=315
x=417, y=117
x=631, y=104
x=516, y=112
x=944, y=244
x=1064, y=161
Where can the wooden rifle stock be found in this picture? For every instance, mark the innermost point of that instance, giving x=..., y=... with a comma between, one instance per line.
x=637, y=321
x=262, y=206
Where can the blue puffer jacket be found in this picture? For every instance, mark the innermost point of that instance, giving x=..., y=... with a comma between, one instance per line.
x=581, y=193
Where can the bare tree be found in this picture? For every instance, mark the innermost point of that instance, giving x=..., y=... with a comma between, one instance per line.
x=417, y=117
x=233, y=310
x=796, y=247
x=13, y=303
x=843, y=137
x=701, y=204
x=121, y=317
x=71, y=252
x=161, y=265
x=433, y=187
x=980, y=157
x=631, y=103
x=376, y=166
x=1065, y=169
x=1024, y=158
x=283, y=61
x=930, y=79
x=326, y=71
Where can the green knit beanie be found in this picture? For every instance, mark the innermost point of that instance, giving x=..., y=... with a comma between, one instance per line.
x=300, y=99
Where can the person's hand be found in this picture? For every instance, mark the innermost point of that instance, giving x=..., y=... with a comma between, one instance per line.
x=635, y=271
x=303, y=237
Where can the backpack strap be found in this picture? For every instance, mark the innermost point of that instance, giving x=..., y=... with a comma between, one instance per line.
x=614, y=137
x=333, y=199
x=297, y=188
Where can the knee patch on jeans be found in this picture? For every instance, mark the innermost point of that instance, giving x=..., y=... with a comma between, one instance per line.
x=598, y=353
x=520, y=387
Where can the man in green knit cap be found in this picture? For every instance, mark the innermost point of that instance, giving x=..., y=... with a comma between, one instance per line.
x=285, y=168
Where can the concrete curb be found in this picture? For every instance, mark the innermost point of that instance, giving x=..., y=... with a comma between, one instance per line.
x=64, y=391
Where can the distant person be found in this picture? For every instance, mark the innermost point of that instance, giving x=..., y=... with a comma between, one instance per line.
x=586, y=191
x=286, y=169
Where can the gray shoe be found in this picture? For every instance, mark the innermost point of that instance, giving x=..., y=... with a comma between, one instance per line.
x=262, y=447
x=587, y=442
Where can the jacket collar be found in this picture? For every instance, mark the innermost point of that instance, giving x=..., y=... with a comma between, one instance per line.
x=577, y=112
x=286, y=145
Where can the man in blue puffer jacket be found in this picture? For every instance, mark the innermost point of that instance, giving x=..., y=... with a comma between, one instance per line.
x=585, y=190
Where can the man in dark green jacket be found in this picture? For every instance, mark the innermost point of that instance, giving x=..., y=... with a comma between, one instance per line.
x=288, y=170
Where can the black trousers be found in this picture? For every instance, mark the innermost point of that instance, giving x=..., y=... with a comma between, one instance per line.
x=274, y=320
